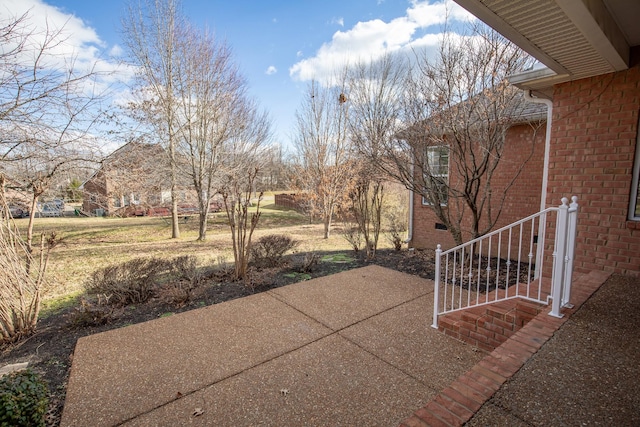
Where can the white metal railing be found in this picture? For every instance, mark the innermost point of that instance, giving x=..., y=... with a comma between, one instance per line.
x=510, y=263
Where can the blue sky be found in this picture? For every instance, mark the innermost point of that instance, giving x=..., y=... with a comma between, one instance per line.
x=279, y=46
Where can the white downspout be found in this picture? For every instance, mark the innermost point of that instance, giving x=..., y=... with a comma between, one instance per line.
x=545, y=172
x=410, y=225
x=547, y=144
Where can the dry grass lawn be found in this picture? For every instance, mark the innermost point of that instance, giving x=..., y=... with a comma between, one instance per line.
x=91, y=243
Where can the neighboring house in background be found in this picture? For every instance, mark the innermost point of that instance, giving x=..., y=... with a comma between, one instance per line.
x=523, y=148
x=592, y=85
x=133, y=175
x=134, y=180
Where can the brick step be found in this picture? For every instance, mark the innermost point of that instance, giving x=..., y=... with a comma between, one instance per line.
x=488, y=326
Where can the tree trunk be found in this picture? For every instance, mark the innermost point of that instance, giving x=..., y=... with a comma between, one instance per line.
x=327, y=226
x=202, y=222
x=175, y=226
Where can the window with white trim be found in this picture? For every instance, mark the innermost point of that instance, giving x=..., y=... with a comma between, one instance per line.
x=436, y=174
x=634, y=203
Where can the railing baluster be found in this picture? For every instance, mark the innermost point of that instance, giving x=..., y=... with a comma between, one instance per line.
x=508, y=278
x=455, y=255
x=520, y=257
x=462, y=254
x=446, y=278
x=471, y=252
x=489, y=248
x=533, y=227
x=498, y=266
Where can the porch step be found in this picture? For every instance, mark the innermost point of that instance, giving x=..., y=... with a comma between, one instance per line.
x=488, y=326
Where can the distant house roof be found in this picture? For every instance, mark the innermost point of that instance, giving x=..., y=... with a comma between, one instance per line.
x=127, y=150
x=520, y=112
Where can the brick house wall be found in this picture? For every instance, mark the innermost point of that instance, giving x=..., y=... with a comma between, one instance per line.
x=593, y=142
x=94, y=194
x=523, y=197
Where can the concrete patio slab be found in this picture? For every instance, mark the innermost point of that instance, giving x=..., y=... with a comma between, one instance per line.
x=331, y=382
x=266, y=359
x=121, y=373
x=338, y=303
x=399, y=334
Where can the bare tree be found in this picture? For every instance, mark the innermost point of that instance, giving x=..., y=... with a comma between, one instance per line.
x=376, y=92
x=211, y=105
x=367, y=199
x=323, y=151
x=151, y=32
x=241, y=166
x=458, y=108
x=49, y=104
x=236, y=196
x=273, y=175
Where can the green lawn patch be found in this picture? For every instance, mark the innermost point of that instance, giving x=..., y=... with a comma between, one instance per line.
x=339, y=258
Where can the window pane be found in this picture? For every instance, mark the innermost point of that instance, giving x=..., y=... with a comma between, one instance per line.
x=437, y=173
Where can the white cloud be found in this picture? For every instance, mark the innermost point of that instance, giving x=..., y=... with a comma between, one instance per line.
x=77, y=42
x=115, y=51
x=371, y=39
x=339, y=21
x=271, y=70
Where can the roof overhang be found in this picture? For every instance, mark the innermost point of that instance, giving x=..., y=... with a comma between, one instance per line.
x=574, y=39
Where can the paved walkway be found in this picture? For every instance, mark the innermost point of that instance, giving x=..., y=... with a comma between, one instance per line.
x=350, y=349
x=587, y=374
x=581, y=369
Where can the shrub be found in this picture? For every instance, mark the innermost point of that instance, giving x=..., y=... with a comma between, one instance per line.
x=23, y=266
x=23, y=399
x=185, y=278
x=128, y=283
x=310, y=262
x=268, y=251
x=353, y=235
x=92, y=312
x=306, y=262
x=259, y=280
x=396, y=229
x=185, y=268
x=222, y=270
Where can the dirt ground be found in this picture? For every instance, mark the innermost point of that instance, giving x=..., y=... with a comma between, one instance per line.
x=50, y=350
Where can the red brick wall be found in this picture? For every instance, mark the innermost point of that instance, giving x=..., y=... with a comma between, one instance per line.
x=94, y=193
x=523, y=197
x=593, y=140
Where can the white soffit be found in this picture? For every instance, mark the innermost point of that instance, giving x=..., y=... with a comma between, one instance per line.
x=573, y=38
